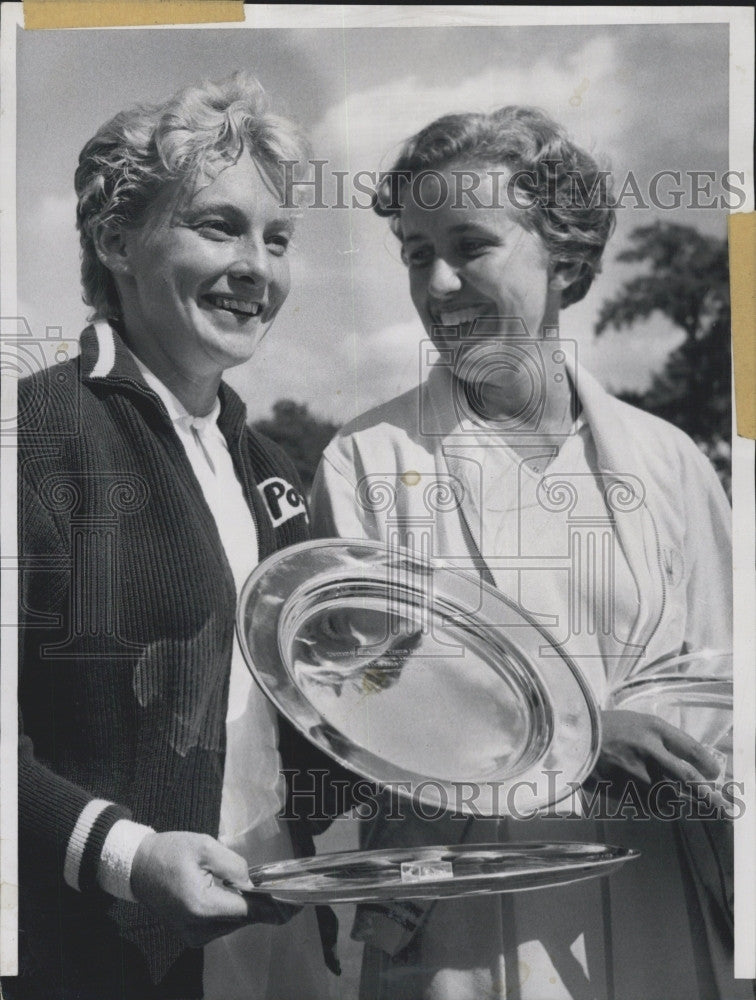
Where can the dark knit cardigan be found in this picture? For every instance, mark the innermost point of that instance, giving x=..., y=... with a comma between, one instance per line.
x=126, y=633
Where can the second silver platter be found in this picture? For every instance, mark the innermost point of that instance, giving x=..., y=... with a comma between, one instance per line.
x=435, y=872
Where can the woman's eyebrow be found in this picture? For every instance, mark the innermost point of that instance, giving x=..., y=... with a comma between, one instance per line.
x=282, y=223
x=477, y=227
x=229, y=210
x=213, y=207
x=461, y=227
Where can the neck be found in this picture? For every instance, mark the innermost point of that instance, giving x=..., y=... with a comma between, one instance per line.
x=197, y=398
x=196, y=392
x=505, y=401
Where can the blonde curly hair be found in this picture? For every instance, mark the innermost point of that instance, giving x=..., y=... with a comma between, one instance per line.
x=192, y=135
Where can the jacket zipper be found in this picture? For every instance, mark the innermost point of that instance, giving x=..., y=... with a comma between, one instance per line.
x=662, y=574
x=152, y=397
x=248, y=494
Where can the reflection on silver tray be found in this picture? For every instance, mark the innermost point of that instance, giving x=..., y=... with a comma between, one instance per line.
x=434, y=872
x=410, y=672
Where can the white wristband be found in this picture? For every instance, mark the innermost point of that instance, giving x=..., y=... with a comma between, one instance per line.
x=121, y=844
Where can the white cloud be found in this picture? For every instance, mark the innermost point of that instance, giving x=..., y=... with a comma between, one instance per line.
x=584, y=93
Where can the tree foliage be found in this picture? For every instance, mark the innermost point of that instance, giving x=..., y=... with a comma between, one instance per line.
x=688, y=281
x=302, y=435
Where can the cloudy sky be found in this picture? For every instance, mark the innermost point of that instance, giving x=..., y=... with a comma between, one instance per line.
x=650, y=97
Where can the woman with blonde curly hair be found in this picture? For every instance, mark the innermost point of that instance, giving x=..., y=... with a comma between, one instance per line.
x=605, y=525
x=149, y=763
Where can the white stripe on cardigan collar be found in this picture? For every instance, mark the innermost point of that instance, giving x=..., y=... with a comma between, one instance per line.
x=105, y=349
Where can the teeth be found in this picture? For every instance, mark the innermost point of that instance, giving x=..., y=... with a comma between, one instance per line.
x=459, y=316
x=237, y=305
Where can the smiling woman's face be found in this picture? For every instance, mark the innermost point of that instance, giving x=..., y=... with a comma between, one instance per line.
x=202, y=278
x=471, y=262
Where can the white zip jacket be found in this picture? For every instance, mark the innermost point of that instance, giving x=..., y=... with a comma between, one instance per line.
x=394, y=474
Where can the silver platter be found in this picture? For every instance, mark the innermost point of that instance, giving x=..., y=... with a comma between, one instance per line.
x=410, y=672
x=434, y=872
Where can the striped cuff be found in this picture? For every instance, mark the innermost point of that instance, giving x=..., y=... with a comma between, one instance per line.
x=114, y=869
x=85, y=843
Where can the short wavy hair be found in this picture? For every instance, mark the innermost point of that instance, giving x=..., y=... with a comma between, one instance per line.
x=190, y=136
x=568, y=192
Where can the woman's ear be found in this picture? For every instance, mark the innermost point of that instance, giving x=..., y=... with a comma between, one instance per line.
x=562, y=274
x=111, y=248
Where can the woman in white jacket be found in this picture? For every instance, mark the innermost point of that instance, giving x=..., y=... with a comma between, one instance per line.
x=606, y=525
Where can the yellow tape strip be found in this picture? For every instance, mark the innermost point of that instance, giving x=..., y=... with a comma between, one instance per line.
x=742, y=233
x=96, y=14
